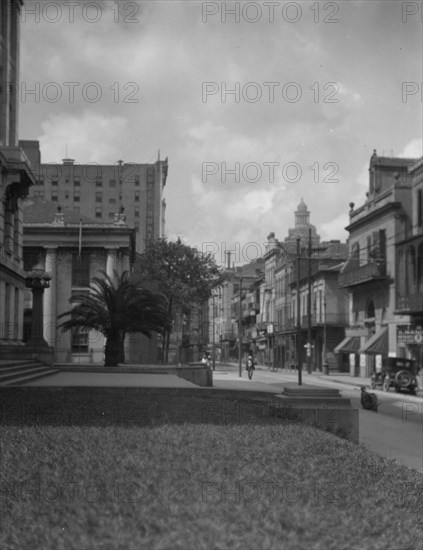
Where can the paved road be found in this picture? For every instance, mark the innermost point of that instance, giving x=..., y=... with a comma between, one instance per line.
x=396, y=431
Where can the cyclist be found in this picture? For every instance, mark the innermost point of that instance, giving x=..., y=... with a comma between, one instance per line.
x=250, y=366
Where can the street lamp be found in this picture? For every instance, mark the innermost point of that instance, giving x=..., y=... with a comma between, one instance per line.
x=37, y=280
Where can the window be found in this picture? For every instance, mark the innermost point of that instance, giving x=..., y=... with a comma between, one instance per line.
x=77, y=183
x=66, y=180
x=137, y=196
x=136, y=226
x=54, y=197
x=111, y=215
x=112, y=201
x=79, y=340
x=137, y=181
x=66, y=194
x=80, y=335
x=76, y=198
x=137, y=212
x=150, y=171
x=81, y=268
x=98, y=213
x=54, y=183
x=98, y=197
x=99, y=183
x=112, y=183
x=369, y=249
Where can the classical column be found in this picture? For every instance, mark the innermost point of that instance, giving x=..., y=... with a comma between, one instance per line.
x=111, y=263
x=50, y=298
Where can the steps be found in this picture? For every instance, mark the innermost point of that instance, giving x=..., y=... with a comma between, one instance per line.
x=18, y=372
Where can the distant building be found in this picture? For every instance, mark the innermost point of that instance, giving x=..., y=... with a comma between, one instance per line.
x=328, y=314
x=99, y=191
x=370, y=273
x=73, y=251
x=16, y=179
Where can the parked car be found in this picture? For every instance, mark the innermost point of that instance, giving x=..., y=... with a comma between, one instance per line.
x=397, y=372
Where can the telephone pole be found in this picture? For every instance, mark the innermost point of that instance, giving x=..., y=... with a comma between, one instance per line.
x=309, y=305
x=240, y=329
x=298, y=315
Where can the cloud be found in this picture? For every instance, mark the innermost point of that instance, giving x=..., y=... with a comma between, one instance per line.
x=88, y=137
x=414, y=149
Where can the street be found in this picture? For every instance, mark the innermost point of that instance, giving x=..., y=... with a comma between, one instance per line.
x=396, y=431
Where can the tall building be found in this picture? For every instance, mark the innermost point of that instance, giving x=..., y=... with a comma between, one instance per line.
x=99, y=190
x=15, y=180
x=369, y=275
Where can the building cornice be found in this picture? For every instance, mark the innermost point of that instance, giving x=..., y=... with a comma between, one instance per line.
x=374, y=214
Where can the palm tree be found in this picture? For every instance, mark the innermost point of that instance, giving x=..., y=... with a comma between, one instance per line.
x=115, y=307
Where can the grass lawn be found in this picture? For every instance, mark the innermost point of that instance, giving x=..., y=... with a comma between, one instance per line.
x=196, y=487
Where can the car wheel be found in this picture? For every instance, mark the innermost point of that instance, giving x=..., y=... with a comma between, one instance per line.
x=403, y=378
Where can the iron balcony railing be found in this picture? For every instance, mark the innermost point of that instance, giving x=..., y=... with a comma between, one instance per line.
x=363, y=274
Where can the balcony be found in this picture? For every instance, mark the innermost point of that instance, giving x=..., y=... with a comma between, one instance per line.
x=337, y=318
x=410, y=304
x=362, y=275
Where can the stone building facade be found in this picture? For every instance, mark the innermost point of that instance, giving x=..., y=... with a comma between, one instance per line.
x=72, y=251
x=370, y=274
x=16, y=178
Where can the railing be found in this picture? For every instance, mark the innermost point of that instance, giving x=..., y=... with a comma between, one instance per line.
x=336, y=318
x=362, y=274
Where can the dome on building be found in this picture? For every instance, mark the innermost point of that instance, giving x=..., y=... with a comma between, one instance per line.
x=302, y=207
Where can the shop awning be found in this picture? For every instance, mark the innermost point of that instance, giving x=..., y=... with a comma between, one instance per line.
x=378, y=343
x=351, y=344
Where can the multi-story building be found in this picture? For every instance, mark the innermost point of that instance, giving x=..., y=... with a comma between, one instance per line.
x=16, y=179
x=73, y=251
x=99, y=191
x=319, y=265
x=409, y=274
x=375, y=228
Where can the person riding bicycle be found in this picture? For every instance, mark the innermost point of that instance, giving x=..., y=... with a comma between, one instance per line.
x=250, y=362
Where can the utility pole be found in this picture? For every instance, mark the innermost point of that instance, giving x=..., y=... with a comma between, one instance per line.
x=214, y=341
x=309, y=305
x=298, y=315
x=240, y=329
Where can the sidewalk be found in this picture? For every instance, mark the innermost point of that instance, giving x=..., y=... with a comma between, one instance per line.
x=339, y=377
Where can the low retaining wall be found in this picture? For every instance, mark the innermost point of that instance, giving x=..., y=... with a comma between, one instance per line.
x=200, y=375
x=103, y=406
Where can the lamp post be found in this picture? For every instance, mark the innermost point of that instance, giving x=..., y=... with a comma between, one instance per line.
x=240, y=330
x=37, y=280
x=298, y=315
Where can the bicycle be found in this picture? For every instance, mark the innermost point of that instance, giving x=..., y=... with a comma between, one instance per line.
x=250, y=368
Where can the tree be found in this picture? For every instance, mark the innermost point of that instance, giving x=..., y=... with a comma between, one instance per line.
x=115, y=307
x=183, y=274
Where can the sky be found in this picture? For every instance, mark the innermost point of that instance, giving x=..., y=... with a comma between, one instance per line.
x=255, y=104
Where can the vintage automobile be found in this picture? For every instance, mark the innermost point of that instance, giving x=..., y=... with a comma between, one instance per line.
x=397, y=372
